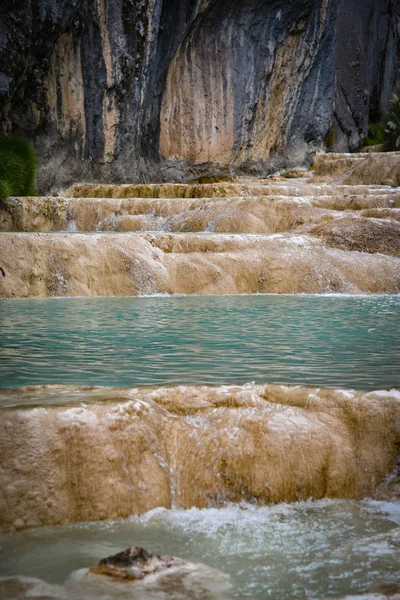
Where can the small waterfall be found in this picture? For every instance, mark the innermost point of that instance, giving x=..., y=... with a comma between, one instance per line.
x=193, y=446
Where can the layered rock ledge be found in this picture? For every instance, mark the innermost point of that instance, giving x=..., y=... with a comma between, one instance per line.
x=281, y=235
x=41, y=265
x=128, y=451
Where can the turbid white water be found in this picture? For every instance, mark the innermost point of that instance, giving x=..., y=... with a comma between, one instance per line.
x=310, y=549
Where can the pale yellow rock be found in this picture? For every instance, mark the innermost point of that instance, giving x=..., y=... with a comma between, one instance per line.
x=270, y=213
x=186, y=446
x=317, y=249
x=375, y=168
x=256, y=187
x=42, y=265
x=383, y=169
x=359, y=234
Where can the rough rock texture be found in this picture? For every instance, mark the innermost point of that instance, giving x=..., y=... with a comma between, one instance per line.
x=192, y=446
x=126, y=264
x=367, y=67
x=161, y=89
x=359, y=234
x=106, y=241
x=382, y=168
x=135, y=563
x=252, y=187
x=266, y=214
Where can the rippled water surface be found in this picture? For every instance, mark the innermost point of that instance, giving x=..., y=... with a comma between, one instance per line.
x=304, y=550
x=350, y=341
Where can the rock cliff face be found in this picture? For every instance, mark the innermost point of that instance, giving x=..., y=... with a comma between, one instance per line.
x=125, y=90
x=366, y=66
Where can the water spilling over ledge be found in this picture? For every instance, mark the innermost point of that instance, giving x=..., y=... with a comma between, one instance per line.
x=205, y=472
x=136, y=449
x=131, y=264
x=304, y=235
x=271, y=213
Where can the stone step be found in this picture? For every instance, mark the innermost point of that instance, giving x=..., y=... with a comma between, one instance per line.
x=268, y=187
x=321, y=433
x=125, y=264
x=268, y=214
x=364, y=168
x=335, y=155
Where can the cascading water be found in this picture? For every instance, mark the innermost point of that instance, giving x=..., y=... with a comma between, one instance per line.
x=141, y=408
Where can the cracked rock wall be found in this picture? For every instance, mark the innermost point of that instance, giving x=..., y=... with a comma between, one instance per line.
x=367, y=67
x=139, y=90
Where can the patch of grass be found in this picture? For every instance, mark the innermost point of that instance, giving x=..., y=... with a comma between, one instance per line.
x=17, y=168
x=376, y=135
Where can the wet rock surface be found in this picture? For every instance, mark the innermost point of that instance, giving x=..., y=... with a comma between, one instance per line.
x=281, y=235
x=19, y=588
x=378, y=168
x=384, y=591
x=126, y=264
x=138, y=449
x=134, y=564
x=188, y=581
x=360, y=234
x=134, y=574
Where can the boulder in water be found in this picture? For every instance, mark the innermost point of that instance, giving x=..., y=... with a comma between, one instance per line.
x=134, y=574
x=135, y=563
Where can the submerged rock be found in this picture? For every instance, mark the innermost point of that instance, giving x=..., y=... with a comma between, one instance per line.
x=134, y=564
x=19, y=588
x=384, y=591
x=389, y=590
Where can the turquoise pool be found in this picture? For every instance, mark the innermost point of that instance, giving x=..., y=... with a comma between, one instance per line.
x=350, y=341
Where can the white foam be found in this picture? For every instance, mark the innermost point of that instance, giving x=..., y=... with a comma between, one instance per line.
x=79, y=416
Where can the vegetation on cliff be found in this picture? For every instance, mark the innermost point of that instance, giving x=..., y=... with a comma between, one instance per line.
x=392, y=121
x=387, y=131
x=17, y=168
x=376, y=135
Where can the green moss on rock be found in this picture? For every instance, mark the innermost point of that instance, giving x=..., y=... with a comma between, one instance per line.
x=17, y=168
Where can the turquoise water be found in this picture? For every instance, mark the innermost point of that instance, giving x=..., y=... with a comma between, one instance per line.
x=310, y=549
x=350, y=341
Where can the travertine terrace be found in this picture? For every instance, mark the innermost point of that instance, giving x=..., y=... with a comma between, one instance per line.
x=128, y=451
x=301, y=232
x=335, y=229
